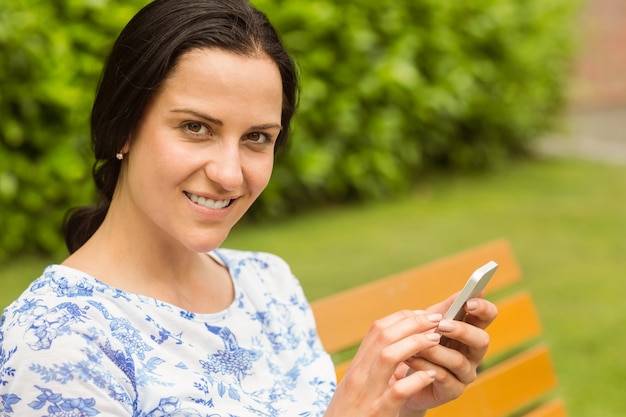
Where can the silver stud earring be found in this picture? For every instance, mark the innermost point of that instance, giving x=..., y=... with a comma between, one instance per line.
x=119, y=156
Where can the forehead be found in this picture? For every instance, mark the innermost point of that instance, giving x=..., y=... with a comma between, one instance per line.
x=215, y=80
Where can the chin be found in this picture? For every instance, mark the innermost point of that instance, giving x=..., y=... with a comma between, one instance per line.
x=203, y=244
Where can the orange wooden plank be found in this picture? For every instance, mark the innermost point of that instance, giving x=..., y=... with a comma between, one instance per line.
x=504, y=388
x=340, y=369
x=343, y=318
x=517, y=322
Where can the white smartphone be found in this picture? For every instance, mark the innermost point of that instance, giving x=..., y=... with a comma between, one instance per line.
x=472, y=289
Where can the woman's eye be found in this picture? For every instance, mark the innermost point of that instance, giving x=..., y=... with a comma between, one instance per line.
x=195, y=128
x=258, y=137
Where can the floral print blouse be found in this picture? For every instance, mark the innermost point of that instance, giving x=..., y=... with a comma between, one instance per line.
x=71, y=345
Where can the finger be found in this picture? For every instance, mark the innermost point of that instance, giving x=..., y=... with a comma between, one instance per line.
x=421, y=363
x=400, y=372
x=386, y=348
x=470, y=340
x=480, y=312
x=445, y=361
x=398, y=316
x=408, y=347
x=379, y=354
x=398, y=326
x=412, y=384
x=447, y=383
x=401, y=389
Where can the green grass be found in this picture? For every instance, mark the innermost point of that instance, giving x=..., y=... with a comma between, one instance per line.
x=565, y=219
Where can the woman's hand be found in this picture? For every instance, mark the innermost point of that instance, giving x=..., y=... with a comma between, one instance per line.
x=401, y=370
x=369, y=387
x=456, y=365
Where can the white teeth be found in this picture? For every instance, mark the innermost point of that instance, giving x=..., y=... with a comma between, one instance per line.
x=206, y=202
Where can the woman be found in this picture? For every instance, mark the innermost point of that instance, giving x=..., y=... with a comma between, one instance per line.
x=148, y=316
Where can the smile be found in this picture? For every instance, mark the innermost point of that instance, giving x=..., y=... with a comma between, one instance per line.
x=207, y=202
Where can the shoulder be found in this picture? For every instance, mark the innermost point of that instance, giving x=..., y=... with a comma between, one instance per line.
x=263, y=273
x=58, y=281
x=49, y=347
x=50, y=302
x=61, y=303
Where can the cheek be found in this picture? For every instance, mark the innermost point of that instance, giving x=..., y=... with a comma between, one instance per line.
x=152, y=169
x=258, y=174
x=158, y=155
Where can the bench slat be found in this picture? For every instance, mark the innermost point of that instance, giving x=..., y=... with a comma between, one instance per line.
x=505, y=388
x=517, y=323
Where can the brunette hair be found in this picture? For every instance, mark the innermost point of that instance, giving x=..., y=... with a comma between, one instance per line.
x=143, y=56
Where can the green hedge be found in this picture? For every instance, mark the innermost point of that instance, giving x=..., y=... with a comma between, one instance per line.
x=52, y=53
x=391, y=90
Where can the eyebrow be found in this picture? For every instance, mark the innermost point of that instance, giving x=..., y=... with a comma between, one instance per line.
x=220, y=123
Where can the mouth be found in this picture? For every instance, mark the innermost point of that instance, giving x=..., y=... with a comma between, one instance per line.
x=207, y=202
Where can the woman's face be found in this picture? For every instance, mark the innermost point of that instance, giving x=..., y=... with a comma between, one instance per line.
x=204, y=150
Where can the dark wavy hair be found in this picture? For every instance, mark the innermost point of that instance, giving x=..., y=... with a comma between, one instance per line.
x=143, y=56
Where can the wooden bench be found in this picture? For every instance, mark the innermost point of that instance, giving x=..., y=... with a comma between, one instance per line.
x=517, y=377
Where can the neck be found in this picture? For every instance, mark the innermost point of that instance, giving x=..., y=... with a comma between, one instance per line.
x=124, y=254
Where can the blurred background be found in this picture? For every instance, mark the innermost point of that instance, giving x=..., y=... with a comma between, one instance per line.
x=425, y=128
x=597, y=91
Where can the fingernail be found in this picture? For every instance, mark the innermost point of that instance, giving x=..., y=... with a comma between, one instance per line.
x=446, y=325
x=472, y=305
x=434, y=318
x=431, y=373
x=435, y=337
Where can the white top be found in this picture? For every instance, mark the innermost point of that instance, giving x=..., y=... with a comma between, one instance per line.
x=72, y=345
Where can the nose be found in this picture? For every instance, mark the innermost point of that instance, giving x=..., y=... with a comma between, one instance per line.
x=224, y=167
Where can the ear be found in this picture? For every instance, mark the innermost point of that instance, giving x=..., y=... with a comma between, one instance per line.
x=120, y=154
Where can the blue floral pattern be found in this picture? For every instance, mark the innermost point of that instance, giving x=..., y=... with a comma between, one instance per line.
x=72, y=345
